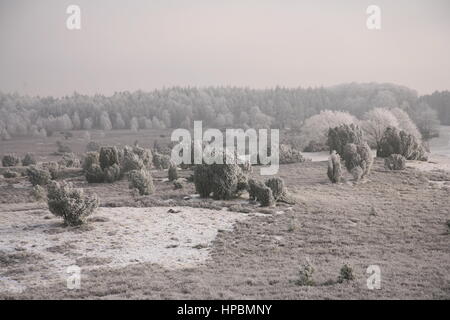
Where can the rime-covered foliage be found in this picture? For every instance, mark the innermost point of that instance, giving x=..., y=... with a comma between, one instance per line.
x=400, y=142
x=338, y=137
x=334, y=171
x=395, y=162
x=70, y=203
x=142, y=181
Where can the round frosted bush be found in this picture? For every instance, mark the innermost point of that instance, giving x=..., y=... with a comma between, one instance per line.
x=142, y=181
x=28, y=160
x=94, y=174
x=72, y=204
x=161, y=161
x=109, y=156
x=340, y=136
x=38, y=176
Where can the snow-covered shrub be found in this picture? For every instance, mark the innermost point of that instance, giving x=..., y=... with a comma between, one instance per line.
x=395, y=162
x=358, y=159
x=10, y=160
x=142, y=181
x=400, y=142
x=334, y=168
x=70, y=203
x=38, y=176
x=28, y=160
x=338, y=137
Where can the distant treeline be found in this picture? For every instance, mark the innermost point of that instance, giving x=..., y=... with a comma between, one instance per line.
x=217, y=106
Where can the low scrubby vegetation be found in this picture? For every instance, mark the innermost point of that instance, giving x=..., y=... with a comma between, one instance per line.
x=395, y=162
x=142, y=181
x=70, y=203
x=277, y=187
x=92, y=146
x=69, y=160
x=172, y=172
x=161, y=161
x=53, y=167
x=288, y=155
x=38, y=176
x=305, y=275
x=10, y=160
x=10, y=174
x=111, y=164
x=29, y=159
x=225, y=181
x=334, y=171
x=259, y=191
x=358, y=159
x=346, y=274
x=39, y=193
x=396, y=141
x=339, y=137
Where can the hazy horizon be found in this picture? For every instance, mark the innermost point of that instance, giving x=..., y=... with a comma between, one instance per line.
x=147, y=45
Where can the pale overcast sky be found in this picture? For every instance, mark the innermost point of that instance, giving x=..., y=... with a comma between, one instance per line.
x=131, y=45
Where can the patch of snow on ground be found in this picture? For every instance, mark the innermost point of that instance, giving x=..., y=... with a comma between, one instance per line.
x=119, y=236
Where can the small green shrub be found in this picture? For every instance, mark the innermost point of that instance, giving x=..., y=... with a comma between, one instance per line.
x=161, y=161
x=226, y=180
x=277, y=187
x=130, y=160
x=346, y=274
x=52, y=167
x=112, y=173
x=288, y=155
x=108, y=157
x=69, y=160
x=38, y=176
x=28, y=160
x=260, y=192
x=202, y=180
x=39, y=193
x=334, y=168
x=92, y=146
x=142, y=181
x=10, y=160
x=305, y=275
x=72, y=204
x=144, y=154
x=10, y=174
x=395, y=162
x=173, y=172
x=94, y=174
x=177, y=184
x=90, y=159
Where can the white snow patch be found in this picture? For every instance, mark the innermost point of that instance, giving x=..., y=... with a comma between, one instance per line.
x=126, y=235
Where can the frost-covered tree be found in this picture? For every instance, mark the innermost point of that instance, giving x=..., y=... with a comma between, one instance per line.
x=315, y=129
x=375, y=123
x=405, y=123
x=105, y=122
